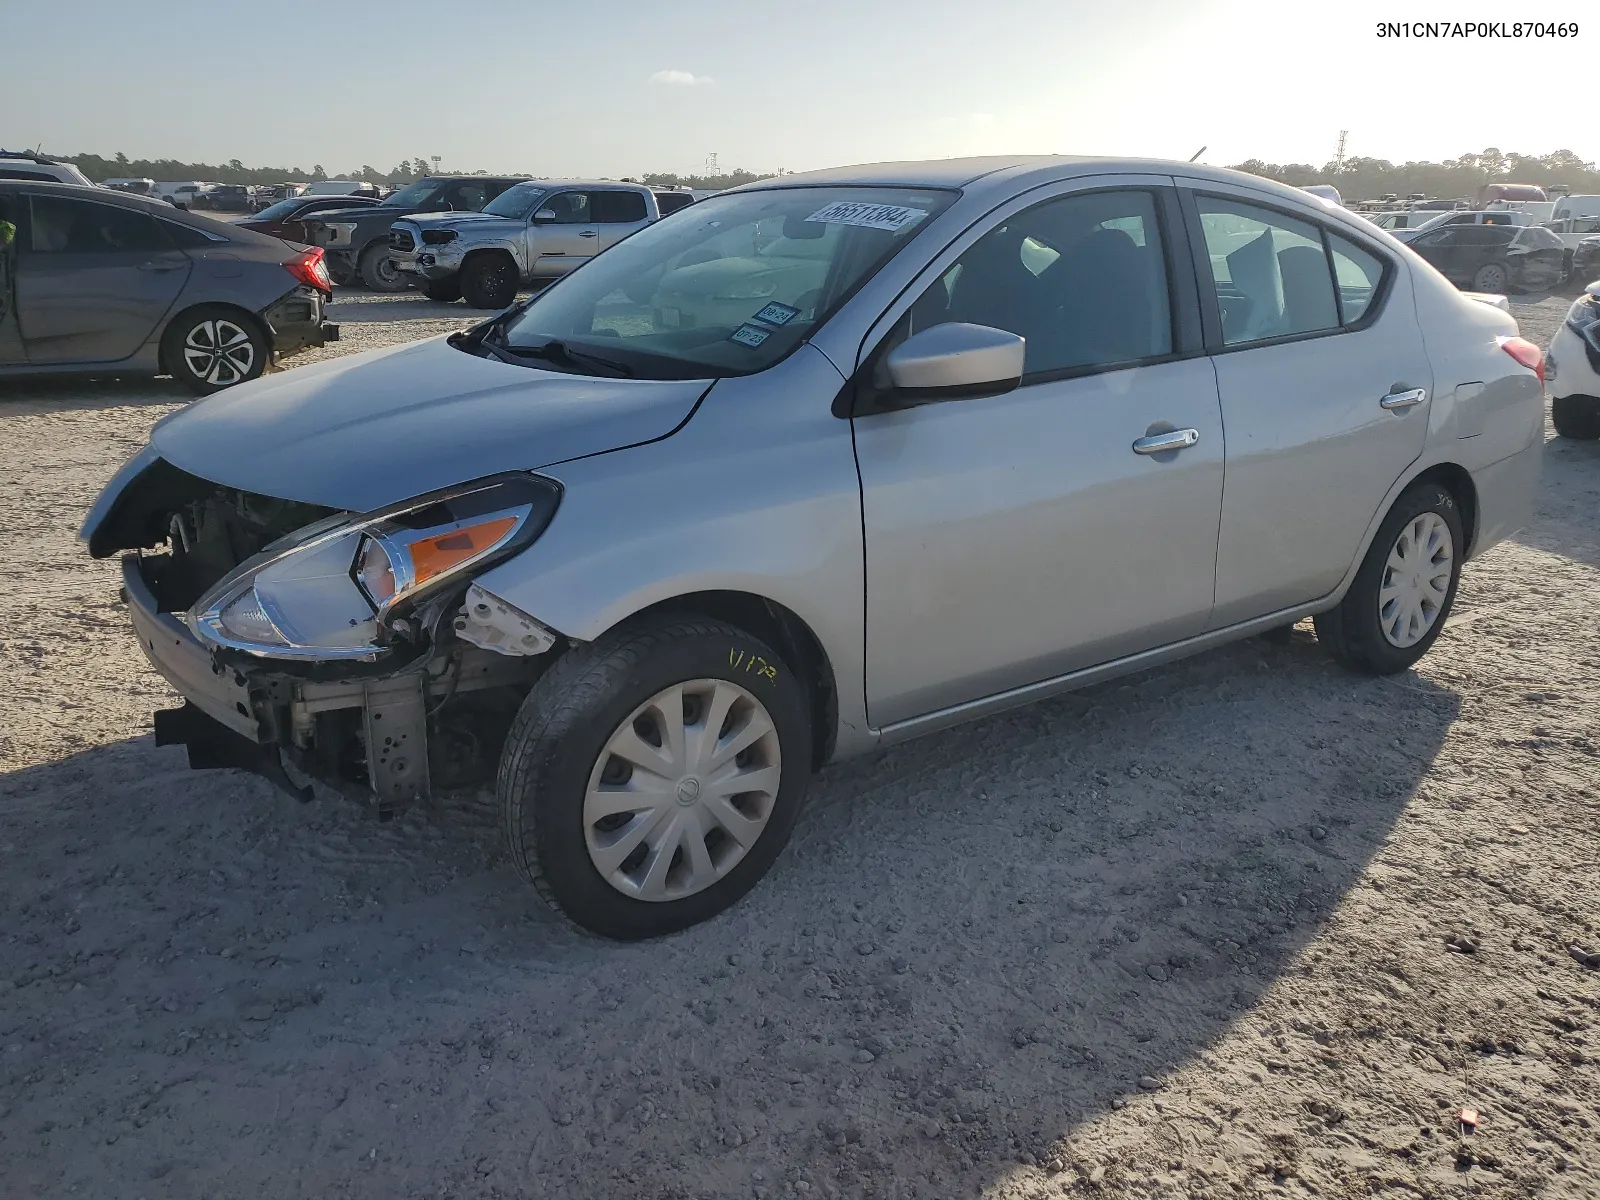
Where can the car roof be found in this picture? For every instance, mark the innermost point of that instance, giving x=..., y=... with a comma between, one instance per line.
x=588, y=183
x=155, y=207
x=1011, y=173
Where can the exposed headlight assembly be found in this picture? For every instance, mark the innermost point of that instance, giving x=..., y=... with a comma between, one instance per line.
x=336, y=590
x=438, y=237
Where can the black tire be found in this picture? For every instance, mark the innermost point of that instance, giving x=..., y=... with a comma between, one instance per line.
x=567, y=720
x=447, y=291
x=184, y=342
x=339, y=270
x=1492, y=277
x=1353, y=632
x=489, y=281
x=378, y=271
x=1576, y=417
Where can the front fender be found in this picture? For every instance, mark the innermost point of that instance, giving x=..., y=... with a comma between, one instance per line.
x=756, y=493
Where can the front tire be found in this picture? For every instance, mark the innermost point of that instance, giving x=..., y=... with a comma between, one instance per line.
x=1576, y=417
x=1401, y=597
x=651, y=779
x=214, y=347
x=378, y=271
x=489, y=281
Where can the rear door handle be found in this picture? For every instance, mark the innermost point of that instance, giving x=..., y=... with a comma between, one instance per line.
x=1405, y=399
x=1157, y=443
x=588, y=233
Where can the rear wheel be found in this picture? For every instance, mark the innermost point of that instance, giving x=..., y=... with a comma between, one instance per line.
x=1401, y=596
x=489, y=281
x=1491, y=277
x=446, y=290
x=652, y=778
x=1576, y=417
x=212, y=347
x=378, y=271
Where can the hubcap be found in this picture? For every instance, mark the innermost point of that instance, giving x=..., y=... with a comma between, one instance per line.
x=682, y=790
x=219, y=352
x=1416, y=580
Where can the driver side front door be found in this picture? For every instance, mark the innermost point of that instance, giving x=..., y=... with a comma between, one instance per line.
x=566, y=243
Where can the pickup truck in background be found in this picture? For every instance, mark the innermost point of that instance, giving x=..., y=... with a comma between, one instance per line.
x=356, y=240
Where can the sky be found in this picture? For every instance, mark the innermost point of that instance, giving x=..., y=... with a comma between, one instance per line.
x=629, y=86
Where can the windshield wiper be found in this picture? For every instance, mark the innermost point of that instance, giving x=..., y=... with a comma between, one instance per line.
x=559, y=352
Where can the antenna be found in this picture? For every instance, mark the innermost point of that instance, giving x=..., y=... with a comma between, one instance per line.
x=1338, y=153
x=1197, y=153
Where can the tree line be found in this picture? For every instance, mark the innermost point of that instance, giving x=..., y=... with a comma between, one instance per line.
x=1356, y=178
x=1369, y=178
x=120, y=166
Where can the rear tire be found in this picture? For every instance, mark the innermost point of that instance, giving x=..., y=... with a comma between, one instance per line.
x=212, y=347
x=705, y=811
x=1576, y=417
x=1492, y=277
x=378, y=271
x=1391, y=615
x=446, y=291
x=489, y=281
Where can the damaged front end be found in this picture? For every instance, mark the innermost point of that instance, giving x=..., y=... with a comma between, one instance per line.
x=351, y=648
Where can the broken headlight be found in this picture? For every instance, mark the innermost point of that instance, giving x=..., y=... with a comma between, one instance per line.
x=334, y=589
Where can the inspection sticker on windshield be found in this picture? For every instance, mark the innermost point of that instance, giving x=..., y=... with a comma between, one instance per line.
x=750, y=335
x=889, y=217
x=776, y=314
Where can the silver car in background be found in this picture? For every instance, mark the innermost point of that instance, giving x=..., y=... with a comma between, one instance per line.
x=816, y=466
x=528, y=235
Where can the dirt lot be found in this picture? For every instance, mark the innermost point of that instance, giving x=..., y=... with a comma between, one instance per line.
x=1185, y=935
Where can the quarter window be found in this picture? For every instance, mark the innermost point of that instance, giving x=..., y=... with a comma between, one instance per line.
x=1081, y=279
x=1358, y=275
x=1269, y=270
x=69, y=226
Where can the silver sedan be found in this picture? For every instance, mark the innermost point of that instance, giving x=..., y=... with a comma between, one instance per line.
x=820, y=464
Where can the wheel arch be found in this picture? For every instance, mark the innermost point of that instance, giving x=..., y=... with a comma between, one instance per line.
x=1457, y=480
x=253, y=319
x=787, y=632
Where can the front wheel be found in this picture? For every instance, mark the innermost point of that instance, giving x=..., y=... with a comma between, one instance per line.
x=211, y=347
x=1576, y=417
x=378, y=271
x=1397, y=606
x=651, y=779
x=489, y=281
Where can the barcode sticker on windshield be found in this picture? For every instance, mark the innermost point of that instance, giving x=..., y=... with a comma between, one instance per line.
x=889, y=217
x=749, y=335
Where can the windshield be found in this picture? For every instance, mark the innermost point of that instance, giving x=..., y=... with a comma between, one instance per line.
x=516, y=202
x=729, y=286
x=414, y=195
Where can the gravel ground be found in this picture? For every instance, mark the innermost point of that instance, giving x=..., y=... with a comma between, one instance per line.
x=1244, y=926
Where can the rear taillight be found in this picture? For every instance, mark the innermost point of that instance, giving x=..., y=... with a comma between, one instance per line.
x=1526, y=353
x=310, y=269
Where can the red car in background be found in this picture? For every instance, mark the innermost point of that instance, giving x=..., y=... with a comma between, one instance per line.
x=283, y=218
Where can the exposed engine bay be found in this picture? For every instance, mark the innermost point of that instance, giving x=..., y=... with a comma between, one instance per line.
x=430, y=716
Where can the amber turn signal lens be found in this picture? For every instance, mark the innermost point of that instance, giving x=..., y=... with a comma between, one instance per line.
x=432, y=556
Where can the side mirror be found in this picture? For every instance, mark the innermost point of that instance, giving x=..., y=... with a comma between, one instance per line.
x=544, y=216
x=954, y=361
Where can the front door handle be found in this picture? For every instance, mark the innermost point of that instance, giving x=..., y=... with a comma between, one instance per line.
x=588, y=233
x=1404, y=399
x=156, y=266
x=1158, y=443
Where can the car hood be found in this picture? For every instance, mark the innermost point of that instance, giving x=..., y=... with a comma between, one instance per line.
x=364, y=431
x=456, y=220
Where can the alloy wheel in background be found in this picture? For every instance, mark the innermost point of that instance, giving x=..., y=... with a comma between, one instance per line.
x=682, y=790
x=219, y=352
x=1416, y=580
x=1491, y=277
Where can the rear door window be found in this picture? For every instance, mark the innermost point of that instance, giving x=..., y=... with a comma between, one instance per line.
x=619, y=208
x=71, y=226
x=1269, y=270
x=1358, y=274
